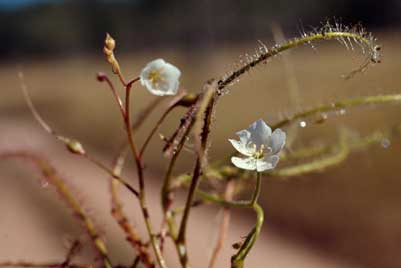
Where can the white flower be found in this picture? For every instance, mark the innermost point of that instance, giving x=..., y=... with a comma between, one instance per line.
x=160, y=78
x=259, y=146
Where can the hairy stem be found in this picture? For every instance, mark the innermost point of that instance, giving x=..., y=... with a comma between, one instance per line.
x=181, y=239
x=323, y=35
x=50, y=174
x=335, y=106
x=202, y=125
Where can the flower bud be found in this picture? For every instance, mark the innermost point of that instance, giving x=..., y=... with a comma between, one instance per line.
x=188, y=100
x=100, y=76
x=108, y=50
x=109, y=42
x=75, y=147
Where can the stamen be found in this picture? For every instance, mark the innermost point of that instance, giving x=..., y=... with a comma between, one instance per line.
x=258, y=153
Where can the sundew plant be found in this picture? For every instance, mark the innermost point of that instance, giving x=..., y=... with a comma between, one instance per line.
x=259, y=151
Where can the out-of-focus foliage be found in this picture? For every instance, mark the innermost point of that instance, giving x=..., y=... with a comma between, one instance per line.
x=69, y=27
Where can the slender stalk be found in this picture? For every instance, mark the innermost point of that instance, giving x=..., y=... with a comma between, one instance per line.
x=75, y=247
x=258, y=187
x=154, y=129
x=51, y=175
x=227, y=203
x=237, y=260
x=130, y=231
x=142, y=198
x=73, y=145
x=166, y=194
x=202, y=126
x=179, y=100
x=335, y=106
x=146, y=112
x=205, y=196
x=103, y=77
x=324, y=35
x=167, y=202
x=181, y=239
x=112, y=174
x=140, y=119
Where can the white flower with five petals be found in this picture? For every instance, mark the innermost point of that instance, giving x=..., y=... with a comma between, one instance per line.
x=160, y=78
x=259, y=146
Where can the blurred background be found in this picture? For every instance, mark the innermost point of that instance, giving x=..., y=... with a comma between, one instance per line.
x=346, y=216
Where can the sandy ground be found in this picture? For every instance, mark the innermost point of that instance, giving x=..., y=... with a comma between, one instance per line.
x=34, y=225
x=351, y=211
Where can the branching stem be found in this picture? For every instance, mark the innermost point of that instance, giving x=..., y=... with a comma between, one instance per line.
x=142, y=198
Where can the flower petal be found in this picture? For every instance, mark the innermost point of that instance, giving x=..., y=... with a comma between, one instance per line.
x=248, y=163
x=156, y=64
x=263, y=166
x=267, y=163
x=244, y=136
x=260, y=133
x=277, y=140
x=172, y=75
x=151, y=66
x=165, y=80
x=242, y=147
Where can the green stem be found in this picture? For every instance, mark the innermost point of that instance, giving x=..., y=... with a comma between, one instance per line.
x=324, y=35
x=335, y=106
x=252, y=236
x=221, y=201
x=166, y=195
x=258, y=187
x=237, y=260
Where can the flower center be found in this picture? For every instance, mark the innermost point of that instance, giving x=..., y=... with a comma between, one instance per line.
x=258, y=154
x=154, y=77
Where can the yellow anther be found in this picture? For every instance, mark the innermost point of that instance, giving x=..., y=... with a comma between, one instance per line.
x=258, y=153
x=154, y=76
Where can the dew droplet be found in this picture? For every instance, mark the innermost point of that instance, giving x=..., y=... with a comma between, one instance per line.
x=322, y=118
x=385, y=143
x=302, y=124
